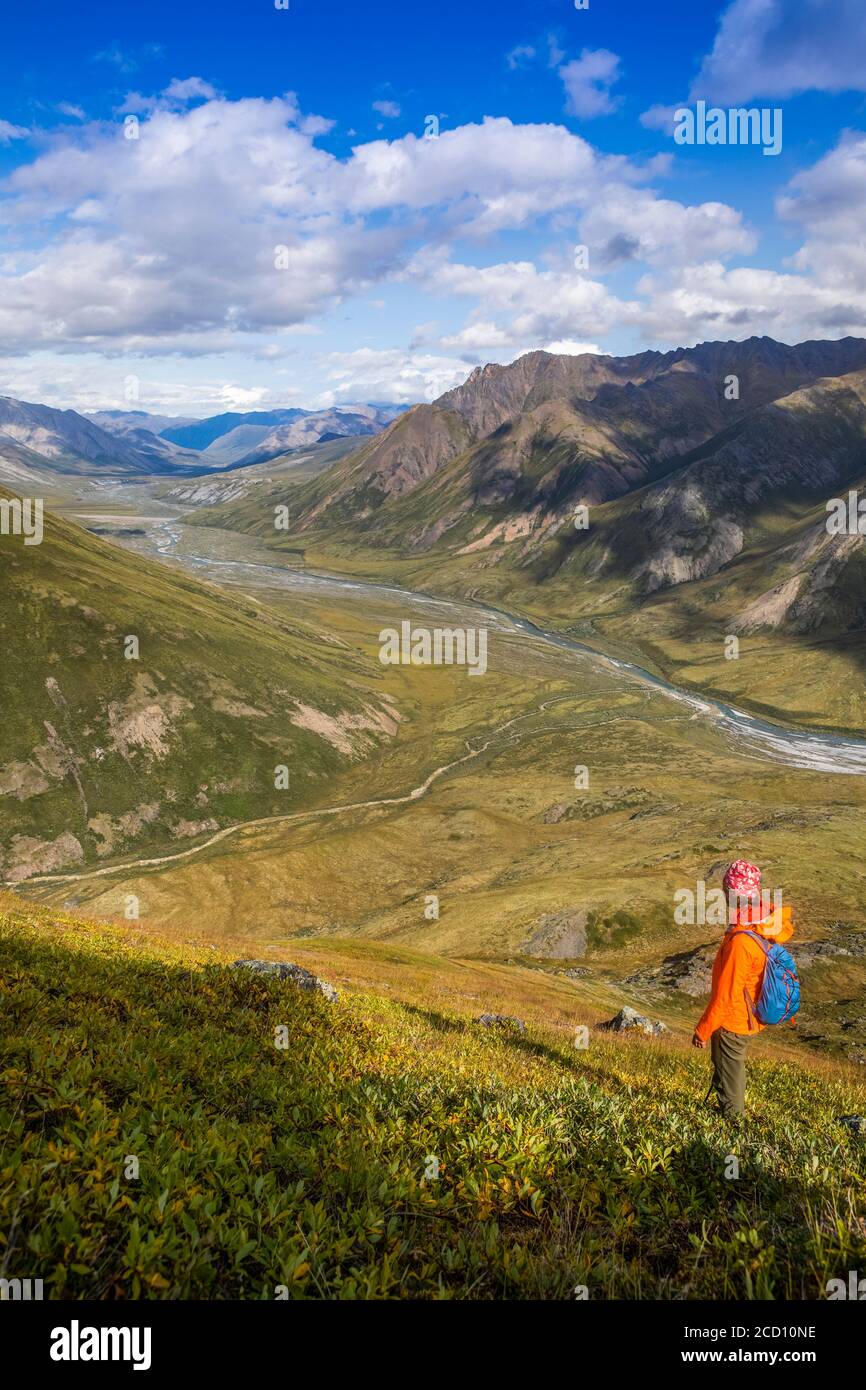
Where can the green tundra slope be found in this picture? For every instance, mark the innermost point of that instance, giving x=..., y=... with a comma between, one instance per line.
x=101, y=753
x=393, y=1148
x=508, y=846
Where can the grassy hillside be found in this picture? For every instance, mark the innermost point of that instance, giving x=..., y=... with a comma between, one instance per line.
x=101, y=752
x=505, y=840
x=312, y=1166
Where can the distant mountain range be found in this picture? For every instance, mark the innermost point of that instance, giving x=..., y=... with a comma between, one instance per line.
x=688, y=461
x=54, y=442
x=238, y=439
x=254, y=440
x=39, y=443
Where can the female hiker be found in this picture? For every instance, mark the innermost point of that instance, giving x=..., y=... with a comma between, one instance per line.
x=753, y=984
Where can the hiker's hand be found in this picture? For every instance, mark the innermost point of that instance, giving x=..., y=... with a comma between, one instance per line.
x=697, y=1042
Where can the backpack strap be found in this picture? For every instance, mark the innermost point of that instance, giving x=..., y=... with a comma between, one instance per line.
x=750, y=1003
x=755, y=937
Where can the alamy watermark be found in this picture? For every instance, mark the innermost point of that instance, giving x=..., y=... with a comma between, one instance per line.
x=77, y=1343
x=855, y=1289
x=846, y=517
x=736, y=125
x=22, y=516
x=438, y=646
x=20, y=1290
x=702, y=906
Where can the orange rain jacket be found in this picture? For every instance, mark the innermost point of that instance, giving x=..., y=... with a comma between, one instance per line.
x=737, y=971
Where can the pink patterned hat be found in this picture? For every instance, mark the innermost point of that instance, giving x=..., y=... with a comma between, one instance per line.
x=743, y=878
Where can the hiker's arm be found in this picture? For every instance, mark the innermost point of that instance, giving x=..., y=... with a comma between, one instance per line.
x=724, y=977
x=706, y=1025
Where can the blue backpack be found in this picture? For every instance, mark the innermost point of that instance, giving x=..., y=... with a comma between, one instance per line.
x=779, y=993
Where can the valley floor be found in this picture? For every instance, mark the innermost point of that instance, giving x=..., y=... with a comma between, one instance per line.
x=504, y=840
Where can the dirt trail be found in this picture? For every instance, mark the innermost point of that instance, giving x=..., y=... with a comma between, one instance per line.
x=134, y=865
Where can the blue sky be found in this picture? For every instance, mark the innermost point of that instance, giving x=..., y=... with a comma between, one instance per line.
x=280, y=231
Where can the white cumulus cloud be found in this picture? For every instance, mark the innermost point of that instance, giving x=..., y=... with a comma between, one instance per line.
x=588, y=80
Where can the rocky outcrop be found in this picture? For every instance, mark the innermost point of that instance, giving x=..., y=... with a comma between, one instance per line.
x=558, y=936
x=29, y=856
x=283, y=970
x=852, y=944
x=688, y=971
x=691, y=972
x=605, y=803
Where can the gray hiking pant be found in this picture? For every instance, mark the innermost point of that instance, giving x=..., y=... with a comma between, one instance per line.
x=728, y=1051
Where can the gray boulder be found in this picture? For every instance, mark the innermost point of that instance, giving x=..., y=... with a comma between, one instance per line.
x=304, y=979
x=628, y=1020
x=501, y=1021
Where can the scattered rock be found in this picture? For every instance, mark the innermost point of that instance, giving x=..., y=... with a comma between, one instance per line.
x=501, y=1021
x=589, y=806
x=688, y=971
x=304, y=979
x=629, y=1020
x=351, y=734
x=846, y=943
x=718, y=866
x=189, y=829
x=28, y=856
x=576, y=972
x=22, y=780
x=236, y=708
x=558, y=936
x=856, y=1123
x=54, y=690
x=113, y=831
x=818, y=950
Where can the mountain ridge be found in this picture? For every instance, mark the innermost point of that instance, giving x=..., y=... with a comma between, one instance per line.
x=588, y=428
